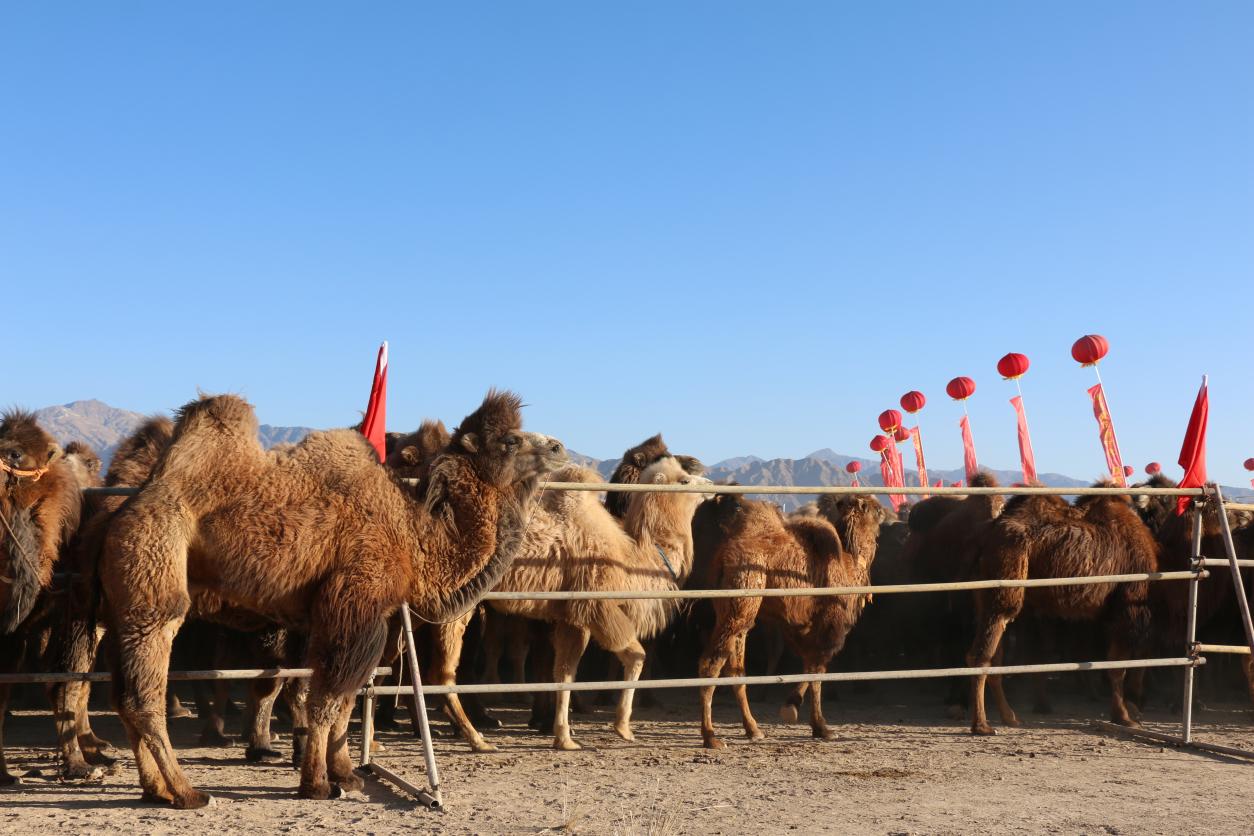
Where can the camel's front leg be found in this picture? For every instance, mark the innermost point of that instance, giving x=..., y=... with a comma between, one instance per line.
x=261, y=696
x=632, y=658
x=443, y=671
x=987, y=639
x=569, y=643
x=339, y=763
x=736, y=667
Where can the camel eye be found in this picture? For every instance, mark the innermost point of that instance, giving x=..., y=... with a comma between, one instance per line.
x=512, y=441
x=13, y=456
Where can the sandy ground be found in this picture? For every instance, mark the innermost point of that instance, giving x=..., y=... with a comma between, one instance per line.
x=899, y=766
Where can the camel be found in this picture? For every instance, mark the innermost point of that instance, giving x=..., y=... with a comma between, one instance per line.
x=40, y=510
x=1044, y=537
x=574, y=544
x=945, y=533
x=1217, y=613
x=760, y=549
x=633, y=464
x=318, y=538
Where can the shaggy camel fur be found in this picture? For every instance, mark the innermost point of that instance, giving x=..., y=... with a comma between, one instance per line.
x=574, y=544
x=760, y=549
x=1217, y=615
x=318, y=538
x=410, y=456
x=1044, y=537
x=40, y=509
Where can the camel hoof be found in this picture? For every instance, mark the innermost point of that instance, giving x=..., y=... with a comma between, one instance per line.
x=755, y=735
x=179, y=712
x=215, y=738
x=193, y=800
x=377, y=746
x=1134, y=711
x=481, y=746
x=352, y=782
x=100, y=758
x=823, y=734
x=1127, y=722
x=788, y=713
x=489, y=722
x=259, y=754
x=566, y=745
x=81, y=771
x=983, y=730
x=624, y=731
x=153, y=798
x=714, y=743
x=318, y=792
x=1012, y=721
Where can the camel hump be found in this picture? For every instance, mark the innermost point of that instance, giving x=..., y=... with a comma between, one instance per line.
x=983, y=479
x=926, y=515
x=226, y=415
x=817, y=536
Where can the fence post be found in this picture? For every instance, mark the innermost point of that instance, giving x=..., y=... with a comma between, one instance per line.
x=1190, y=636
x=1230, y=548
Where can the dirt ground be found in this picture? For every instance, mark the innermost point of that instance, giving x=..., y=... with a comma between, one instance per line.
x=899, y=766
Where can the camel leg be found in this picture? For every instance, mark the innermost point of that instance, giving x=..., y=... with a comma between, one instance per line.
x=632, y=657
x=261, y=696
x=296, y=694
x=323, y=711
x=791, y=709
x=152, y=785
x=995, y=682
x=443, y=671
x=65, y=718
x=987, y=640
x=96, y=750
x=736, y=667
x=6, y=778
x=733, y=621
x=142, y=674
x=1118, y=704
x=339, y=763
x=569, y=643
x=818, y=723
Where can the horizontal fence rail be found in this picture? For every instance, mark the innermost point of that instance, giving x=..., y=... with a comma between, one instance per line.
x=915, y=490
x=885, y=589
x=786, y=679
x=174, y=676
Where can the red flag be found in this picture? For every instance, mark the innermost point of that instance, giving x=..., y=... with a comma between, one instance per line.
x=940, y=483
x=918, y=457
x=1106, y=431
x=1193, y=451
x=891, y=480
x=1025, y=442
x=968, y=448
x=373, y=426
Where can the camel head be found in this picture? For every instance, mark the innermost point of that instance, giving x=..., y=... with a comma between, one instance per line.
x=995, y=502
x=410, y=455
x=83, y=463
x=492, y=440
x=26, y=450
x=633, y=464
x=857, y=518
x=666, y=518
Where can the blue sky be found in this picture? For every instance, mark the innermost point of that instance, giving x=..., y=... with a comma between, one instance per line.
x=750, y=226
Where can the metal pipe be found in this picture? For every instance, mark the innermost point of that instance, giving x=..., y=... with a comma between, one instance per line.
x=885, y=589
x=424, y=798
x=785, y=679
x=1237, y=649
x=1103, y=725
x=1237, y=584
x=1218, y=561
x=915, y=490
x=428, y=750
x=367, y=722
x=173, y=676
x=1239, y=506
x=1190, y=628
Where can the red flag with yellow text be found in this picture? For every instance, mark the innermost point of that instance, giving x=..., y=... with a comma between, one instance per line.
x=1106, y=431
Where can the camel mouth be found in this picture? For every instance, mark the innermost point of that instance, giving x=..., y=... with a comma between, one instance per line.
x=547, y=453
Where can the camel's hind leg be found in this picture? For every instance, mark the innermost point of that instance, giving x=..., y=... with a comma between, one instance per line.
x=994, y=610
x=569, y=643
x=818, y=723
x=997, y=684
x=632, y=657
x=736, y=667
x=339, y=763
x=447, y=655
x=261, y=696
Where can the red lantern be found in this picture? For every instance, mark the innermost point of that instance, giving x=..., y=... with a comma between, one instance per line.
x=890, y=420
x=913, y=401
x=1249, y=464
x=1154, y=468
x=880, y=443
x=960, y=388
x=902, y=435
x=1013, y=366
x=1128, y=470
x=853, y=467
x=1090, y=349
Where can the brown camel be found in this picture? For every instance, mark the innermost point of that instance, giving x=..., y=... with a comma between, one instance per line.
x=1218, y=618
x=633, y=464
x=410, y=455
x=574, y=544
x=945, y=533
x=318, y=538
x=40, y=509
x=760, y=549
x=1044, y=537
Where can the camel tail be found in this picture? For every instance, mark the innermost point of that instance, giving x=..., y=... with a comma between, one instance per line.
x=22, y=541
x=349, y=669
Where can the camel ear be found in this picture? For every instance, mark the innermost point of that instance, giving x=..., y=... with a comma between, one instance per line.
x=409, y=455
x=470, y=442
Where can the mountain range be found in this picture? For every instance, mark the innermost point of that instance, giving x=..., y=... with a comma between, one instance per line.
x=104, y=427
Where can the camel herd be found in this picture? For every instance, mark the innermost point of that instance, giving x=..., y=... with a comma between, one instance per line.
x=304, y=554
